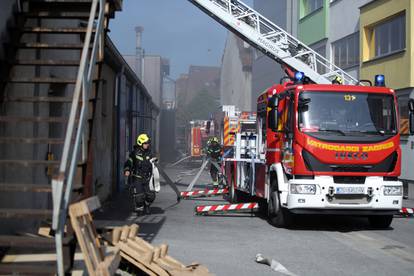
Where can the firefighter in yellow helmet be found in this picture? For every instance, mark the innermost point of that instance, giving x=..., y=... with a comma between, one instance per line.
x=213, y=151
x=139, y=167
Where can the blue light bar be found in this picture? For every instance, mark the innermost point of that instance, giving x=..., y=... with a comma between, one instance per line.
x=379, y=80
x=299, y=76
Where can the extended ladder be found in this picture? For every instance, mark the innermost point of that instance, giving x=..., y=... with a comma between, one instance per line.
x=272, y=40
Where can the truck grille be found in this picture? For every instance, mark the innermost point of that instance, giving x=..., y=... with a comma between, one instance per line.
x=313, y=164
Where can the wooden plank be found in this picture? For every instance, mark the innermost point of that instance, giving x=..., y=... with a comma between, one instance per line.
x=26, y=213
x=18, y=187
x=84, y=207
x=23, y=269
x=23, y=140
x=81, y=240
x=142, y=259
x=22, y=241
x=110, y=263
x=137, y=264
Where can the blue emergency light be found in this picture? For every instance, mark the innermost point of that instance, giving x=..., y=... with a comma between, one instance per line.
x=379, y=80
x=299, y=76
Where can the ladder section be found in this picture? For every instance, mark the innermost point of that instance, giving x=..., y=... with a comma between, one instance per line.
x=272, y=40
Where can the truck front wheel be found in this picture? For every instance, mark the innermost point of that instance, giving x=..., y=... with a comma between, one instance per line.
x=278, y=216
x=380, y=222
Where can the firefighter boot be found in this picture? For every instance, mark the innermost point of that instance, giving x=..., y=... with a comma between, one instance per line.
x=147, y=209
x=138, y=204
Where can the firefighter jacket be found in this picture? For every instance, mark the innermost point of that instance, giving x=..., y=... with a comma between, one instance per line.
x=139, y=163
x=214, y=150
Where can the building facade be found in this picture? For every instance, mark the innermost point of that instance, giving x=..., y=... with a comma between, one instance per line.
x=265, y=71
x=387, y=47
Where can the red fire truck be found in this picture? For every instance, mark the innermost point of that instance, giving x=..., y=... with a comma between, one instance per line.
x=199, y=132
x=329, y=149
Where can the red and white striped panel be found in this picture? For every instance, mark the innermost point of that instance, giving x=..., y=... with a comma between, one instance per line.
x=226, y=207
x=203, y=193
x=407, y=211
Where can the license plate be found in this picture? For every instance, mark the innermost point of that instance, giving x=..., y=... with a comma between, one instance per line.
x=350, y=190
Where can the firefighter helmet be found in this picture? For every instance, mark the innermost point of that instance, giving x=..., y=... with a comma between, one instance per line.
x=213, y=140
x=142, y=139
x=337, y=80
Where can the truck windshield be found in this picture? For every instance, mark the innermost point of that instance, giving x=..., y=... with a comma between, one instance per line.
x=346, y=114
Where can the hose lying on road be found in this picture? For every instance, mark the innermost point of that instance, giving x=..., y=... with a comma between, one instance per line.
x=169, y=182
x=274, y=265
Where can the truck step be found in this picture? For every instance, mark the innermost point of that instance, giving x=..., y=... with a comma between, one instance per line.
x=8, y=187
x=26, y=213
x=204, y=193
x=226, y=208
x=45, y=62
x=42, y=80
x=22, y=140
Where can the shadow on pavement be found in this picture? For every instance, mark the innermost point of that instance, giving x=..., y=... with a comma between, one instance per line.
x=334, y=223
x=118, y=212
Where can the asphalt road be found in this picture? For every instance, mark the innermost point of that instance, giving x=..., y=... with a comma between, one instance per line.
x=228, y=244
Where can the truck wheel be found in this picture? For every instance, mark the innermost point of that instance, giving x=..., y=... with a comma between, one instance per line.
x=233, y=195
x=380, y=222
x=278, y=216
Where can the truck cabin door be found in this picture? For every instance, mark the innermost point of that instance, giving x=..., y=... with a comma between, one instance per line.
x=287, y=122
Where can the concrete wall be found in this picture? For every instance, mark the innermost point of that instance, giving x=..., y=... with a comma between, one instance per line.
x=6, y=19
x=235, y=85
x=104, y=150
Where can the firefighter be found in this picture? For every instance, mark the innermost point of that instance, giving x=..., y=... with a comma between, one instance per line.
x=214, y=153
x=139, y=167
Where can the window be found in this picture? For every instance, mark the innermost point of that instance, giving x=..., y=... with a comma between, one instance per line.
x=390, y=36
x=403, y=110
x=346, y=51
x=322, y=51
x=313, y=5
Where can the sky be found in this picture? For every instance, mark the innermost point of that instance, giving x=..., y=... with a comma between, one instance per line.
x=174, y=29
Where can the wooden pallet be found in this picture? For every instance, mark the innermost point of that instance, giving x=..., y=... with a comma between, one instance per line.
x=100, y=260
x=151, y=259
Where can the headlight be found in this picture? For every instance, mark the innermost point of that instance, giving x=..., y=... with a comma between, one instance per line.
x=392, y=190
x=303, y=189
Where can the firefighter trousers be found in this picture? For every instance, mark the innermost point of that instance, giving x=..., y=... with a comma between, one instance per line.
x=214, y=172
x=141, y=192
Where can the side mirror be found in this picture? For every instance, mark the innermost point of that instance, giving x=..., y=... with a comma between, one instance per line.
x=411, y=105
x=273, y=115
x=411, y=115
